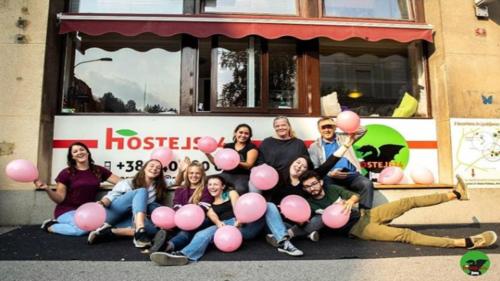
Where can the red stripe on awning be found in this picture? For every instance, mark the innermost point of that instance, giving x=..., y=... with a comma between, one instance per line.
x=422, y=144
x=67, y=143
x=202, y=27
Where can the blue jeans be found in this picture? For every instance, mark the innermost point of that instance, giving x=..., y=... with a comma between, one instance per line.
x=183, y=237
x=121, y=212
x=66, y=225
x=195, y=250
x=357, y=183
x=274, y=222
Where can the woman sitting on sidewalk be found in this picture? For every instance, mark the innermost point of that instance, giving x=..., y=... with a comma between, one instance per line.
x=129, y=203
x=374, y=224
x=76, y=185
x=192, y=191
x=221, y=213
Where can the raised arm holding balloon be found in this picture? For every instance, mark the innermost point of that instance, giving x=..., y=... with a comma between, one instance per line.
x=346, y=171
x=76, y=185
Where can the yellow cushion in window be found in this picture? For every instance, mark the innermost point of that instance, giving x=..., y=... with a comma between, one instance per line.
x=407, y=107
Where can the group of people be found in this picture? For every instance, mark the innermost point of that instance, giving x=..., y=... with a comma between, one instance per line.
x=327, y=172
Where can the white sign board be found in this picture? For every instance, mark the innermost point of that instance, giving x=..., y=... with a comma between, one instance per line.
x=476, y=151
x=123, y=155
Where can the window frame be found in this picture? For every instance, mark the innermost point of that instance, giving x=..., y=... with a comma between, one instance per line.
x=297, y=11
x=71, y=47
x=415, y=7
x=264, y=83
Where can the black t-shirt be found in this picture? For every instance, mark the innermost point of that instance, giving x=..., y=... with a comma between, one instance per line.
x=224, y=211
x=243, y=157
x=280, y=153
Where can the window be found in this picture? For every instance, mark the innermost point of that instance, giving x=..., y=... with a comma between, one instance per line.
x=127, y=6
x=248, y=75
x=383, y=9
x=119, y=74
x=372, y=79
x=278, y=7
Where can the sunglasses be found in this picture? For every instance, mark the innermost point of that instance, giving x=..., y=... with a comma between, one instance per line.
x=326, y=127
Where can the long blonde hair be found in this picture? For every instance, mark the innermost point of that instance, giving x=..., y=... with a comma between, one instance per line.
x=291, y=132
x=199, y=187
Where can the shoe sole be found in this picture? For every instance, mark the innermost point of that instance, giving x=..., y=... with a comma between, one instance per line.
x=92, y=236
x=272, y=241
x=494, y=238
x=465, y=196
x=158, y=241
x=141, y=245
x=314, y=237
x=163, y=259
x=289, y=253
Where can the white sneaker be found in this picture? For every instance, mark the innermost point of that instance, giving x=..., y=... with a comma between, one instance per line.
x=288, y=248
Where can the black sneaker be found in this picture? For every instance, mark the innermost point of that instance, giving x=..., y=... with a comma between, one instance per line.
x=175, y=258
x=141, y=238
x=159, y=241
x=102, y=234
x=288, y=248
x=313, y=236
x=47, y=223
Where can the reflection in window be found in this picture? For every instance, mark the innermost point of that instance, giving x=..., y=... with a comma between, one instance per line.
x=124, y=80
x=384, y=9
x=238, y=73
x=371, y=81
x=282, y=74
x=282, y=7
x=127, y=6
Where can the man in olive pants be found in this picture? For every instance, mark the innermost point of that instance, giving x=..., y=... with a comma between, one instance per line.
x=373, y=224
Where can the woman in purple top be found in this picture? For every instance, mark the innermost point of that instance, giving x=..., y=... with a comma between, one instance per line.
x=76, y=185
x=192, y=191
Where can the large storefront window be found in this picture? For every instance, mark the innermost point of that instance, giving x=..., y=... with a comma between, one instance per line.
x=373, y=79
x=247, y=75
x=278, y=7
x=383, y=9
x=127, y=6
x=124, y=75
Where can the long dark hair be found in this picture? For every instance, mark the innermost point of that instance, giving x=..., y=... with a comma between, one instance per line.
x=72, y=163
x=158, y=182
x=285, y=174
x=249, y=130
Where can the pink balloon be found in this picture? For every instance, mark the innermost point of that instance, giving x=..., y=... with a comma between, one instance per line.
x=334, y=216
x=295, y=208
x=422, y=175
x=264, y=177
x=162, y=154
x=207, y=144
x=189, y=217
x=348, y=121
x=228, y=238
x=391, y=175
x=250, y=207
x=404, y=180
x=227, y=159
x=163, y=217
x=90, y=216
x=21, y=170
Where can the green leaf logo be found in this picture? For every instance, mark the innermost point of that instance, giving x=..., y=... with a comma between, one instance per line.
x=126, y=132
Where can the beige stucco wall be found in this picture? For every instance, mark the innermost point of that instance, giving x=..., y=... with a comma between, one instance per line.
x=463, y=67
x=21, y=80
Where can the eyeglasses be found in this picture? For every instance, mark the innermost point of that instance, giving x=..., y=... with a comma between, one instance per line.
x=309, y=186
x=326, y=127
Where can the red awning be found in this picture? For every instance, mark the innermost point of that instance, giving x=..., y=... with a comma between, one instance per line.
x=202, y=27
